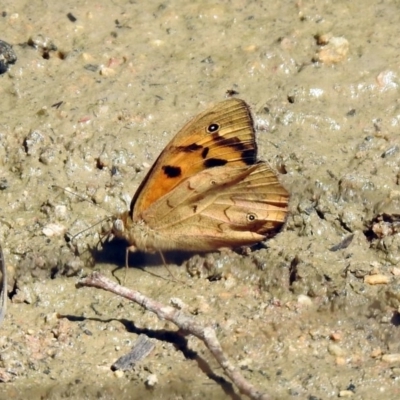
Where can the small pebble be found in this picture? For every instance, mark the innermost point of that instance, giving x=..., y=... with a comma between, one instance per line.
x=157, y=42
x=51, y=318
x=391, y=358
x=336, y=350
x=334, y=51
x=51, y=230
x=387, y=80
x=7, y=56
x=47, y=156
x=340, y=361
x=336, y=336
x=99, y=196
x=395, y=372
x=346, y=393
x=33, y=142
x=304, y=300
x=151, y=381
x=105, y=71
x=376, y=353
x=60, y=211
x=119, y=373
x=3, y=184
x=396, y=271
x=377, y=279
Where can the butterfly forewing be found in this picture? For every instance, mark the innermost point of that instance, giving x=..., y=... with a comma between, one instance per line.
x=221, y=135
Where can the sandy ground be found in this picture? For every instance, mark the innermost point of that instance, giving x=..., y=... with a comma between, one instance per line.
x=92, y=100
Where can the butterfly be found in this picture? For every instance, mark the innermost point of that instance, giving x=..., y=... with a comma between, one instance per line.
x=206, y=191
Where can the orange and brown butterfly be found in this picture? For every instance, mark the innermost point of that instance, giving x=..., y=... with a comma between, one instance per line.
x=206, y=191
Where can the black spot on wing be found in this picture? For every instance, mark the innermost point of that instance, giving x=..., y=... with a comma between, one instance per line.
x=213, y=128
x=190, y=148
x=248, y=152
x=249, y=156
x=214, y=162
x=171, y=171
x=205, y=152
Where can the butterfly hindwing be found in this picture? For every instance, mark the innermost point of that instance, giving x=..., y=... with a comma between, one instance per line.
x=221, y=207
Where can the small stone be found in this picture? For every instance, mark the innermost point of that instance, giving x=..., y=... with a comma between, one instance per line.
x=3, y=184
x=157, y=42
x=245, y=363
x=119, y=373
x=7, y=56
x=340, y=361
x=387, y=80
x=105, y=71
x=336, y=336
x=375, y=353
x=5, y=376
x=377, y=279
x=51, y=230
x=99, y=196
x=33, y=142
x=391, y=358
x=396, y=271
x=230, y=282
x=51, y=318
x=304, y=300
x=336, y=350
x=103, y=161
x=60, y=211
x=47, y=156
x=151, y=381
x=334, y=51
x=395, y=372
x=346, y=393
x=22, y=295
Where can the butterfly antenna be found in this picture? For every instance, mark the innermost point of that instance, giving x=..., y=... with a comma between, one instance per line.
x=166, y=267
x=90, y=227
x=80, y=197
x=72, y=238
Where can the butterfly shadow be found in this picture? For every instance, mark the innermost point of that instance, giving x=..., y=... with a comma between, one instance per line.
x=114, y=252
x=177, y=338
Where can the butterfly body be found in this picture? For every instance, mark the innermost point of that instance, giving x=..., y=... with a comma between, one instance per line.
x=206, y=191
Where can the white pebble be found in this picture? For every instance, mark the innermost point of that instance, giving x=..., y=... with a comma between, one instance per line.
x=51, y=230
x=151, y=380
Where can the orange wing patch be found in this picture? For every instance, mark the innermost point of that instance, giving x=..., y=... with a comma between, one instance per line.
x=221, y=135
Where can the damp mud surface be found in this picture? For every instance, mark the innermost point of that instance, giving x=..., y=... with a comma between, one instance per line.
x=97, y=91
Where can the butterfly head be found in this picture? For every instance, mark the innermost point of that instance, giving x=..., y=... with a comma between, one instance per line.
x=119, y=225
x=135, y=232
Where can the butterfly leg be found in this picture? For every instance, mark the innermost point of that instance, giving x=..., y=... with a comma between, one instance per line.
x=166, y=267
x=129, y=249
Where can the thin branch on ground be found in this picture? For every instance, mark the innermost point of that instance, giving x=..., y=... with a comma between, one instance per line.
x=184, y=322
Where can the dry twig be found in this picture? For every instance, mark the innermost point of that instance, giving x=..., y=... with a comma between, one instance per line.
x=184, y=322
